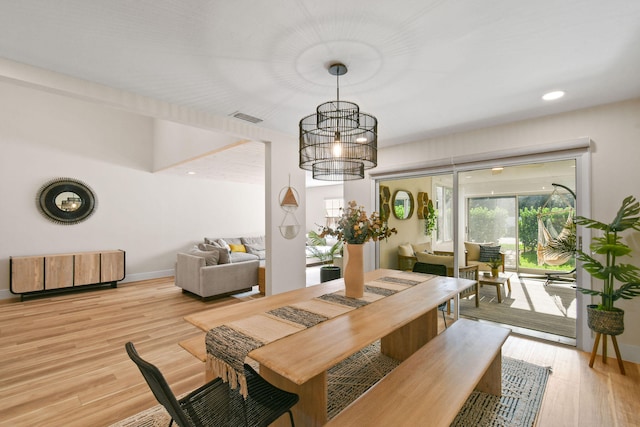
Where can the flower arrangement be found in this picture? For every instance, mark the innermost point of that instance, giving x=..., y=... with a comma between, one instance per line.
x=355, y=227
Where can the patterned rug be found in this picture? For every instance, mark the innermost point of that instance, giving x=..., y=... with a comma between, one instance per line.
x=523, y=386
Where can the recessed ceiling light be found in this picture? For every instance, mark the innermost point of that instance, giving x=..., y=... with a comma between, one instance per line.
x=550, y=96
x=191, y=173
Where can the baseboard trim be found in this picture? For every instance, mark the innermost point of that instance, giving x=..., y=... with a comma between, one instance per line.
x=136, y=277
x=630, y=353
x=6, y=294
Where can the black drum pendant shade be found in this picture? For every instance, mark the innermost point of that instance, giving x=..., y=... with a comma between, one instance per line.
x=338, y=142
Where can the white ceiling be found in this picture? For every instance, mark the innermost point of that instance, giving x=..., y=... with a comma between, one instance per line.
x=422, y=67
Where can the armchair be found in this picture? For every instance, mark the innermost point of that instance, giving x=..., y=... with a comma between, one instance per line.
x=472, y=255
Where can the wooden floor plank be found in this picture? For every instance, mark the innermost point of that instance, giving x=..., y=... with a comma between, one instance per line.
x=63, y=360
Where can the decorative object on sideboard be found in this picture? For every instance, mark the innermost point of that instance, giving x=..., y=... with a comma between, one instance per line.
x=338, y=142
x=290, y=227
x=66, y=201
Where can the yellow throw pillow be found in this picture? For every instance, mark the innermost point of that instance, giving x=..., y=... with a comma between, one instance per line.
x=237, y=248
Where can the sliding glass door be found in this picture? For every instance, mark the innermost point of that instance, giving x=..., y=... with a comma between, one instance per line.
x=516, y=207
x=493, y=220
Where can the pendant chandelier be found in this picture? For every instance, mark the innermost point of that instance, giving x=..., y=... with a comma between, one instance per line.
x=338, y=142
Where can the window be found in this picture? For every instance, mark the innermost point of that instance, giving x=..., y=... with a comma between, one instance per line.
x=332, y=212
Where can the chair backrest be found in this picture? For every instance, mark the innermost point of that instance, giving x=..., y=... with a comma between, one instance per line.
x=437, y=269
x=469, y=272
x=159, y=387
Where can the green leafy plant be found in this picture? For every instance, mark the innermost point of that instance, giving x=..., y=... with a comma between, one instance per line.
x=610, y=247
x=325, y=257
x=606, y=250
x=315, y=239
x=494, y=263
x=430, y=219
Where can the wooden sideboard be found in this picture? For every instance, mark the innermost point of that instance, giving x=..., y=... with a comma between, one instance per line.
x=31, y=275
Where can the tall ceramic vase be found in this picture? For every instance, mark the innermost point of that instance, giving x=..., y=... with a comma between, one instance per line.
x=354, y=271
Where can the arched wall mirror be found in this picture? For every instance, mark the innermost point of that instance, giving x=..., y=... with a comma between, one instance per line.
x=402, y=204
x=66, y=201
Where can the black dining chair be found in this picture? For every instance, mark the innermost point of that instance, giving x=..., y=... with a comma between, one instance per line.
x=215, y=403
x=438, y=270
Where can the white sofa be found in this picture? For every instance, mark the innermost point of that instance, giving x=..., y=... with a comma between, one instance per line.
x=194, y=276
x=214, y=269
x=407, y=254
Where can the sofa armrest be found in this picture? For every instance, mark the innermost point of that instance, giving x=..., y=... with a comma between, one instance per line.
x=406, y=263
x=188, y=272
x=225, y=278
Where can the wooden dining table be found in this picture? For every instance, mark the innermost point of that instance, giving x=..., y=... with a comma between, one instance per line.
x=403, y=322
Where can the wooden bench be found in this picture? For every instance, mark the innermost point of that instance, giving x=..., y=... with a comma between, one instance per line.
x=432, y=385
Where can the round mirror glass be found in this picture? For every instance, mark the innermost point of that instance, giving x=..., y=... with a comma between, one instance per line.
x=66, y=201
x=402, y=204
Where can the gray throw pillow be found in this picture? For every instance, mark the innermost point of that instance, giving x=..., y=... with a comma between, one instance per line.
x=210, y=257
x=211, y=241
x=224, y=256
x=256, y=250
x=207, y=247
x=257, y=241
x=488, y=253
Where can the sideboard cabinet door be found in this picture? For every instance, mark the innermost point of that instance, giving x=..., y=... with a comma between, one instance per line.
x=58, y=271
x=112, y=268
x=27, y=274
x=87, y=268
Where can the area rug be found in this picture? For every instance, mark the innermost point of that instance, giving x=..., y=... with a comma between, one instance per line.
x=530, y=305
x=523, y=386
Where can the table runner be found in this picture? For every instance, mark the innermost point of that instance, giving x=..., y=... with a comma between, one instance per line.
x=228, y=345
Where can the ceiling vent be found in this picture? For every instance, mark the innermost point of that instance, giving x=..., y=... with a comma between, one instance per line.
x=246, y=117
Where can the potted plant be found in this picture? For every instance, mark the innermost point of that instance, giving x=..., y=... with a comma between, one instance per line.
x=494, y=264
x=429, y=219
x=605, y=318
x=328, y=271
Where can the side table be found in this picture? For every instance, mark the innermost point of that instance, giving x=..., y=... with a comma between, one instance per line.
x=497, y=282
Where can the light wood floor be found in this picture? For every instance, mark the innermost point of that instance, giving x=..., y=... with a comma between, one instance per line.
x=62, y=361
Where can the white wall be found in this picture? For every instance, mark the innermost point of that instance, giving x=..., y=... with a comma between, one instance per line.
x=151, y=216
x=410, y=230
x=615, y=131
x=315, y=204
